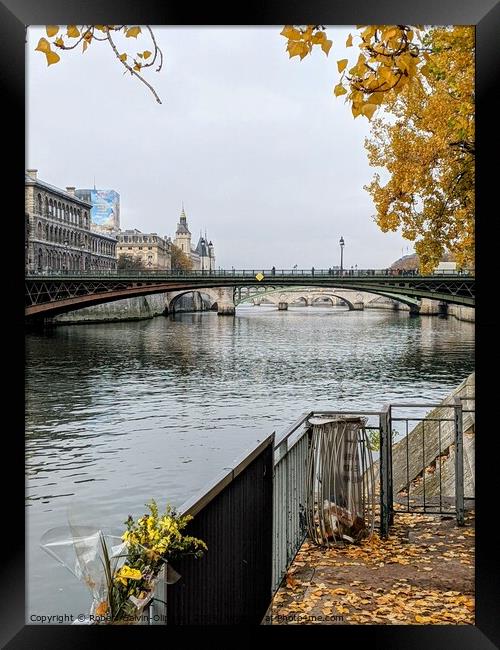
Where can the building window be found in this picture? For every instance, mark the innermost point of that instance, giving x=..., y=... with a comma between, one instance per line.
x=150, y=248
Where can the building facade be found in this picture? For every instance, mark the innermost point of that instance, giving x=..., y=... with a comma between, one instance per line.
x=150, y=248
x=58, y=231
x=203, y=256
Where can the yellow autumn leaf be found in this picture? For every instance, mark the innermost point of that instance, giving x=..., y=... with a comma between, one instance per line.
x=319, y=37
x=296, y=48
x=73, y=31
x=326, y=45
x=52, y=57
x=85, y=45
x=348, y=43
x=123, y=57
x=43, y=45
x=146, y=54
x=51, y=30
x=389, y=33
x=133, y=32
x=137, y=67
x=291, y=33
x=341, y=64
x=339, y=90
x=368, y=110
x=59, y=42
x=101, y=28
x=385, y=73
x=422, y=619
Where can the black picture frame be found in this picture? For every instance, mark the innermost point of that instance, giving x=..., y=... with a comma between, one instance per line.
x=15, y=15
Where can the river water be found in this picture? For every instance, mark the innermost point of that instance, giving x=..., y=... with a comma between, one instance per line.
x=119, y=413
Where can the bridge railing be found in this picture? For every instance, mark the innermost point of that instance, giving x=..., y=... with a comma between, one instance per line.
x=232, y=273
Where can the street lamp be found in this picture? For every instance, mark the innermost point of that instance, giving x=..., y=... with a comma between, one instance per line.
x=342, y=244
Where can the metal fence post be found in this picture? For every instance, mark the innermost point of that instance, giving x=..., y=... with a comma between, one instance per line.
x=390, y=492
x=384, y=472
x=459, y=462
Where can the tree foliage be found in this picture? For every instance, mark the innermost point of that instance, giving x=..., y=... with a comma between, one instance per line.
x=180, y=261
x=73, y=35
x=130, y=262
x=427, y=146
x=424, y=80
x=388, y=58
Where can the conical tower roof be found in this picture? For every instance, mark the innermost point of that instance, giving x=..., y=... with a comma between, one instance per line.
x=182, y=227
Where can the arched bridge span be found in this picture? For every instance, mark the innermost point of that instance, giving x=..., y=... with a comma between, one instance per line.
x=52, y=293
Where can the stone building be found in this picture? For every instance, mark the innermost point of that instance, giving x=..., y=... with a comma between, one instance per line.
x=58, y=231
x=203, y=256
x=150, y=248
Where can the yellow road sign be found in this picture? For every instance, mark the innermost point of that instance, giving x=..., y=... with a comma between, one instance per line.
x=259, y=276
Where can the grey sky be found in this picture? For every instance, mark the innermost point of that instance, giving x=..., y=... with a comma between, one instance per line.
x=263, y=155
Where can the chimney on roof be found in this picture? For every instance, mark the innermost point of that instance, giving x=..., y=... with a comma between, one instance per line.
x=70, y=190
x=32, y=173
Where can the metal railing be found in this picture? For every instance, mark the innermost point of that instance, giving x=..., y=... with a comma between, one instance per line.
x=231, y=584
x=229, y=273
x=253, y=518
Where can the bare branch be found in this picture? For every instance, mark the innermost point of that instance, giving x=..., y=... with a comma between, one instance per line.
x=130, y=69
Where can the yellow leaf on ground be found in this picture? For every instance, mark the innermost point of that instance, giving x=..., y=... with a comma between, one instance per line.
x=423, y=619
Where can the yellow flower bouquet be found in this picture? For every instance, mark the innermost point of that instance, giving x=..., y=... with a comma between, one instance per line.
x=122, y=573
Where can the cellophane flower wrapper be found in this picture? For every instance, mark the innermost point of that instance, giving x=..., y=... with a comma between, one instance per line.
x=80, y=550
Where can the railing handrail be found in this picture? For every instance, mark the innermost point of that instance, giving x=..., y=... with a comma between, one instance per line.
x=268, y=273
x=214, y=487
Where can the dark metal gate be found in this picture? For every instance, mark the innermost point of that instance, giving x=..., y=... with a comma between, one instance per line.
x=423, y=470
x=232, y=583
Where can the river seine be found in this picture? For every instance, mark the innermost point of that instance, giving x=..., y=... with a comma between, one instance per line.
x=119, y=413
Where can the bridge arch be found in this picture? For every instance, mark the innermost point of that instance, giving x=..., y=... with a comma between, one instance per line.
x=323, y=299
x=173, y=298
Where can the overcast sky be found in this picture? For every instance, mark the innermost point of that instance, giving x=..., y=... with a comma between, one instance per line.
x=263, y=155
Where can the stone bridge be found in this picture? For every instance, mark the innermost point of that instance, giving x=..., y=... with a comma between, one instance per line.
x=355, y=300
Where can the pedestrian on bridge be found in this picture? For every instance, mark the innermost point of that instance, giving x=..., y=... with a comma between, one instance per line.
x=273, y=271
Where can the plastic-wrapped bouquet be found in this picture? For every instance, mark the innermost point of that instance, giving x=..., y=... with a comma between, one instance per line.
x=121, y=572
